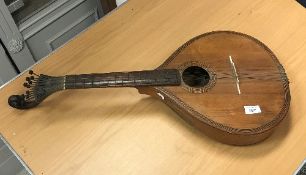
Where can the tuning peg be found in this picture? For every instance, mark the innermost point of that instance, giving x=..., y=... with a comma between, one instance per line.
x=31, y=72
x=27, y=96
x=32, y=77
x=29, y=80
x=26, y=85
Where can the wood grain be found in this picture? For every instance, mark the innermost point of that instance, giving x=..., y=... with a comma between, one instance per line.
x=218, y=109
x=118, y=131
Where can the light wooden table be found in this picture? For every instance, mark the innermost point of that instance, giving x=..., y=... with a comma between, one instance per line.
x=118, y=131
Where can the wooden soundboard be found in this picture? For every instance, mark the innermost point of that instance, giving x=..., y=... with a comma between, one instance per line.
x=121, y=132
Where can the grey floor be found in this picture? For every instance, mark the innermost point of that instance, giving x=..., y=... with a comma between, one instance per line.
x=10, y=164
x=29, y=9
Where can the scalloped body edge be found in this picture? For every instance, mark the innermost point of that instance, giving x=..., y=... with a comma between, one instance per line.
x=204, y=122
x=217, y=133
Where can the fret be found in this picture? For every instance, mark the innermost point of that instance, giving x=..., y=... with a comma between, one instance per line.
x=97, y=83
x=166, y=77
x=126, y=79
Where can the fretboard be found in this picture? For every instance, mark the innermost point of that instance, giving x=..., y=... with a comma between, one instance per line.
x=165, y=77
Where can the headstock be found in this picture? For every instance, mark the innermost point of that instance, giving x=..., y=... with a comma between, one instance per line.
x=39, y=88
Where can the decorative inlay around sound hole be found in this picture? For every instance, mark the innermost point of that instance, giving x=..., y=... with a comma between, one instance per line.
x=197, y=77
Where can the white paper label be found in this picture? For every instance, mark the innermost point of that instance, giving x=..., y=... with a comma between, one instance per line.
x=252, y=109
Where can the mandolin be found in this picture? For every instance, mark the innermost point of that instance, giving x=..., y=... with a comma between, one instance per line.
x=227, y=84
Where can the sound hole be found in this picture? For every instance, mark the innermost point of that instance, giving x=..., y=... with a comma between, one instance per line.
x=195, y=76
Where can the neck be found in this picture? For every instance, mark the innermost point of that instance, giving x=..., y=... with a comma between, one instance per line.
x=165, y=77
